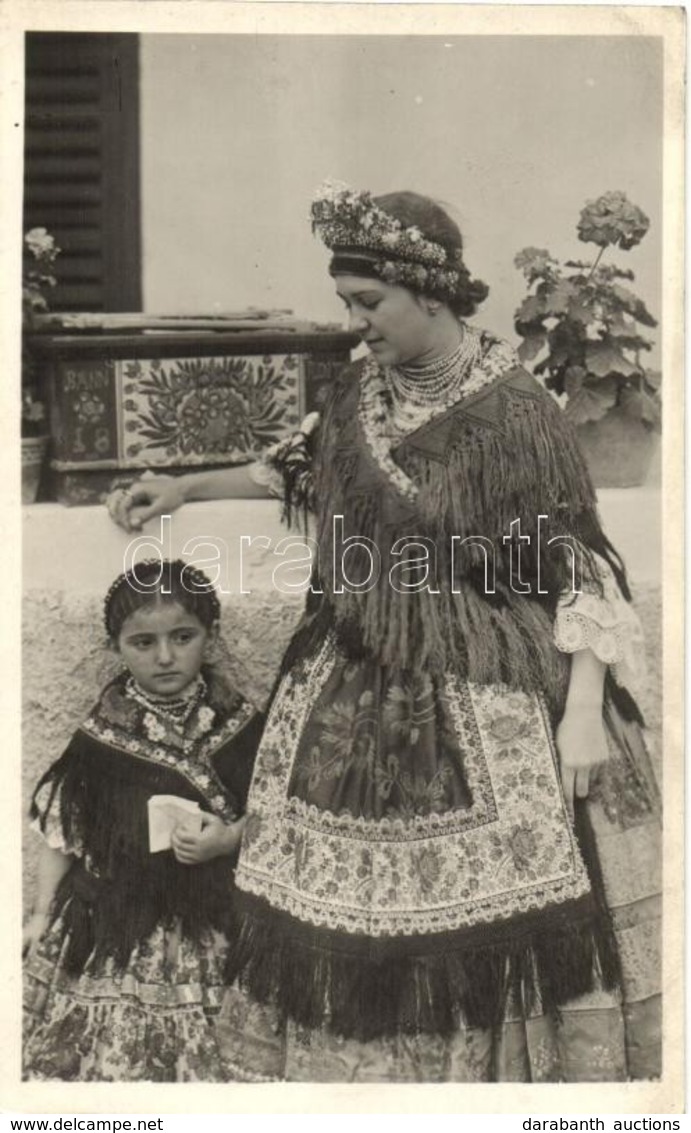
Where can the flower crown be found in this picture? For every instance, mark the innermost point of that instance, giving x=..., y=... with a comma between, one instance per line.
x=346, y=218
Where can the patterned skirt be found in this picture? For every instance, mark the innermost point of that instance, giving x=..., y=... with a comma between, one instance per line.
x=152, y=1022
x=388, y=808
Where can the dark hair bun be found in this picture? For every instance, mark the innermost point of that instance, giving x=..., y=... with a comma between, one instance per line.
x=469, y=294
x=435, y=223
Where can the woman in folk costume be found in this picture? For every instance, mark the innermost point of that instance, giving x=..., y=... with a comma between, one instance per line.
x=449, y=866
x=127, y=941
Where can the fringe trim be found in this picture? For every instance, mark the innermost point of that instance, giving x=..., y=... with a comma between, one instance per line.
x=293, y=461
x=365, y=988
x=126, y=891
x=623, y=701
x=635, y=789
x=107, y=920
x=427, y=985
x=484, y=477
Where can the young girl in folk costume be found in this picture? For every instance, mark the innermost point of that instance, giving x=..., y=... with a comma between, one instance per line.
x=450, y=867
x=126, y=946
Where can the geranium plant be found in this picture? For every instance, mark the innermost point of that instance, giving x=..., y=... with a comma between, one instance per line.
x=40, y=253
x=581, y=326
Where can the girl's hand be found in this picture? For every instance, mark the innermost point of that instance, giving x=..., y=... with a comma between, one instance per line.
x=150, y=496
x=582, y=746
x=215, y=840
x=33, y=931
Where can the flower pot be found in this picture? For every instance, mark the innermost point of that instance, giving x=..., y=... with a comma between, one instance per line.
x=33, y=456
x=618, y=449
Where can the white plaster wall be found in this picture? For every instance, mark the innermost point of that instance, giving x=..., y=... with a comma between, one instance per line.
x=514, y=132
x=91, y=550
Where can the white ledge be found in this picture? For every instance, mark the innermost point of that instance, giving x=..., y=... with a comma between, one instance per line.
x=79, y=549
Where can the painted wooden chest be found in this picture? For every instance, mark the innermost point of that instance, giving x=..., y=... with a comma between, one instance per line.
x=120, y=403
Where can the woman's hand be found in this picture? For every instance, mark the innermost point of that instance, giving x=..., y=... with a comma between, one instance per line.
x=150, y=496
x=215, y=840
x=582, y=746
x=33, y=931
x=310, y=423
x=293, y=446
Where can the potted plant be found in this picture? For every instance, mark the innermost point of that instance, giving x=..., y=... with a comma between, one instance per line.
x=581, y=328
x=40, y=253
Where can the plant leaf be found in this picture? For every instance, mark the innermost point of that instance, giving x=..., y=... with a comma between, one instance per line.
x=619, y=326
x=559, y=296
x=534, y=263
x=603, y=359
x=641, y=406
x=625, y=331
x=531, y=310
x=651, y=411
x=591, y=403
x=566, y=345
x=580, y=310
x=611, y=271
x=531, y=346
x=630, y=303
x=573, y=379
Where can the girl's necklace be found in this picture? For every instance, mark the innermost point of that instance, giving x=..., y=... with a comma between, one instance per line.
x=177, y=708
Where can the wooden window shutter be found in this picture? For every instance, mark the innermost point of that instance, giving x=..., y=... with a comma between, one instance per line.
x=81, y=171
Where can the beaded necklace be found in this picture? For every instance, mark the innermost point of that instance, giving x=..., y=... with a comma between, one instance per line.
x=419, y=393
x=440, y=379
x=178, y=708
x=385, y=419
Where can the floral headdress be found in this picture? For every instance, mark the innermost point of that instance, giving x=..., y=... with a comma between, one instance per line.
x=367, y=240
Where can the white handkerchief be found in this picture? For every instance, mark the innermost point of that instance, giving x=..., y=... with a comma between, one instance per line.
x=165, y=813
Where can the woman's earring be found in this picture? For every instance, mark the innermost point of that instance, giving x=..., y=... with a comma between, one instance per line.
x=433, y=308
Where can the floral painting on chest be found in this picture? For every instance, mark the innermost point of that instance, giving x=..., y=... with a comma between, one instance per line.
x=343, y=587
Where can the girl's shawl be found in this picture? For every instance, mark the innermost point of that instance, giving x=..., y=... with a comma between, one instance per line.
x=117, y=892
x=502, y=454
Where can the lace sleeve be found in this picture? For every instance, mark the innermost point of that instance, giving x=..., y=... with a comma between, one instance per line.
x=601, y=619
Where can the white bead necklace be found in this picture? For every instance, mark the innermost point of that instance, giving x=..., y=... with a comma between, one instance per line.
x=177, y=708
x=435, y=382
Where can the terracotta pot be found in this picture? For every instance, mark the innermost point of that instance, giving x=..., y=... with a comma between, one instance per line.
x=33, y=456
x=618, y=449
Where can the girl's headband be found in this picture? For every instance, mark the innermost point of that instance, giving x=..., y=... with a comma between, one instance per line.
x=176, y=581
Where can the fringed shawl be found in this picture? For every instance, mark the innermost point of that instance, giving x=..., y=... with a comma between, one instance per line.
x=501, y=455
x=117, y=892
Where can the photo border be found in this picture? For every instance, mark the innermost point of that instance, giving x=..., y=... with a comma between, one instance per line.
x=264, y=17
